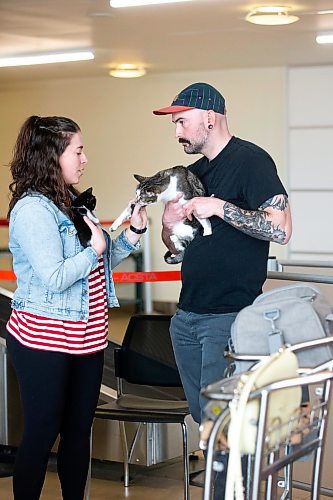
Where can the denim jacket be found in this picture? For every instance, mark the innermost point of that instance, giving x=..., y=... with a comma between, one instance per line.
x=51, y=266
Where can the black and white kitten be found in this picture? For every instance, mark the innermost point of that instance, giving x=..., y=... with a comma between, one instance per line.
x=165, y=186
x=84, y=204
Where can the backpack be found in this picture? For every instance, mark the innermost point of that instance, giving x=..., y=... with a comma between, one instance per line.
x=283, y=316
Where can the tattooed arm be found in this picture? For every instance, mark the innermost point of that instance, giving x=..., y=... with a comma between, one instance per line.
x=271, y=222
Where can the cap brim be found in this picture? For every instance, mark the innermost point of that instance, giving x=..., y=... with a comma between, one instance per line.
x=172, y=109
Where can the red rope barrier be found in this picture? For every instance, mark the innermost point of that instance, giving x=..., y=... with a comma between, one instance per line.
x=7, y=276
x=4, y=222
x=125, y=277
x=138, y=277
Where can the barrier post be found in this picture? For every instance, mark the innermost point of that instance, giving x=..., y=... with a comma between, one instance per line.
x=148, y=302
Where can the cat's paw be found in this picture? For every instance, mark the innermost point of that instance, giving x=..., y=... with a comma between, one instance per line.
x=92, y=217
x=125, y=215
x=171, y=258
x=207, y=226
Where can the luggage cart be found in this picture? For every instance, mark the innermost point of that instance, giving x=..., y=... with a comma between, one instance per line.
x=268, y=462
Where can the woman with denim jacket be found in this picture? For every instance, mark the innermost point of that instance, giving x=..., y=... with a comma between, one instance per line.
x=58, y=327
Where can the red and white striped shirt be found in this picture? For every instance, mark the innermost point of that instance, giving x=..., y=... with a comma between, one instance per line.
x=73, y=337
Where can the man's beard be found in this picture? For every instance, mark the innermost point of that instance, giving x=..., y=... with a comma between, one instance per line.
x=196, y=145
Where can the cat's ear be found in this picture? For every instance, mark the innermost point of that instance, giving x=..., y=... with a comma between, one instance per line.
x=89, y=190
x=139, y=178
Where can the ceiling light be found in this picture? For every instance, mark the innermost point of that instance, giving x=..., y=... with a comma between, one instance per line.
x=135, y=3
x=325, y=37
x=271, y=15
x=127, y=71
x=45, y=58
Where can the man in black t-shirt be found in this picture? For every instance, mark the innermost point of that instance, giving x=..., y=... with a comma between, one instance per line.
x=222, y=273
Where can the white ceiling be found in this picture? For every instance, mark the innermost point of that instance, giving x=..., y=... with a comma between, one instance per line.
x=197, y=35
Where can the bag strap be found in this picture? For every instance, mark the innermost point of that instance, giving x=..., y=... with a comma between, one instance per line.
x=234, y=484
x=275, y=336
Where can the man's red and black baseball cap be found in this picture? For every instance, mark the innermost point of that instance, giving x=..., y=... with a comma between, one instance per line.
x=195, y=96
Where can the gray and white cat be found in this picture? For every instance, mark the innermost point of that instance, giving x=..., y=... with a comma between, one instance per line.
x=165, y=186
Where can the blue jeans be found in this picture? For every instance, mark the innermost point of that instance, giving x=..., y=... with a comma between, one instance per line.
x=199, y=341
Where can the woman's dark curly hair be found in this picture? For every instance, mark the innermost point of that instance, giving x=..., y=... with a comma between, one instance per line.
x=35, y=164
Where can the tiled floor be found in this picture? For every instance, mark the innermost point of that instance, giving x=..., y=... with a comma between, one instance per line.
x=158, y=483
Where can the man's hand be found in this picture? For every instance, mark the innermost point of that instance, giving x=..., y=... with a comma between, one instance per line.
x=202, y=207
x=173, y=212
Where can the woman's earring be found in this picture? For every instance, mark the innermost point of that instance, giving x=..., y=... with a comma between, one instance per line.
x=210, y=126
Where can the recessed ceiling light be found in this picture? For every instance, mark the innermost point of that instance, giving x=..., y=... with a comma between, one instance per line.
x=325, y=12
x=325, y=37
x=127, y=71
x=135, y=3
x=30, y=60
x=271, y=15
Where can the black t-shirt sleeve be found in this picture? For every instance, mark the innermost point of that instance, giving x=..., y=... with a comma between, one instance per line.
x=261, y=181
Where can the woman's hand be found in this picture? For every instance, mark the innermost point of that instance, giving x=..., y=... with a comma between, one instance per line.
x=138, y=220
x=97, y=238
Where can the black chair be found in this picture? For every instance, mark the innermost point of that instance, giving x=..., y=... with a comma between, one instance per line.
x=146, y=358
x=7, y=452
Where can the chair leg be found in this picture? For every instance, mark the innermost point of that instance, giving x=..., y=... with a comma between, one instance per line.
x=186, y=462
x=125, y=452
x=128, y=452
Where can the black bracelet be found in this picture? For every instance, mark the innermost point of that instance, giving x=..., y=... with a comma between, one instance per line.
x=138, y=231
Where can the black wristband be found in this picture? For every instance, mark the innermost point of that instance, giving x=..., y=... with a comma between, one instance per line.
x=138, y=231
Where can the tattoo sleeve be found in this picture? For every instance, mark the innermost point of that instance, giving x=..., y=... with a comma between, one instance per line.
x=258, y=223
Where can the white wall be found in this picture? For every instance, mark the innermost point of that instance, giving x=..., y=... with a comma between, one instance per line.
x=310, y=127
x=123, y=137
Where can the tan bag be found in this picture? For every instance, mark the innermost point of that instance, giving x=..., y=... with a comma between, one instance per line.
x=283, y=407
